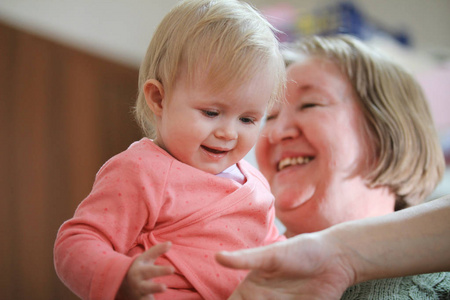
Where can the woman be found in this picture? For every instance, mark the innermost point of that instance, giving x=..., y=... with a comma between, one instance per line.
x=323, y=264
x=354, y=139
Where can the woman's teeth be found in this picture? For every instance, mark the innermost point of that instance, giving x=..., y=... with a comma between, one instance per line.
x=292, y=161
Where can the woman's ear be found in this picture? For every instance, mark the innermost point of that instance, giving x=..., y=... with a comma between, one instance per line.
x=154, y=95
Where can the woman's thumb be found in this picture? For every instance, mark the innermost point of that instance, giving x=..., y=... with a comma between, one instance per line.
x=242, y=259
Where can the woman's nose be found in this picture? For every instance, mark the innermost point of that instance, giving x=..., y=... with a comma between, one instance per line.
x=283, y=128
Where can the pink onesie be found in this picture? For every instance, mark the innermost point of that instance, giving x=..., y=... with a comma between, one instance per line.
x=143, y=196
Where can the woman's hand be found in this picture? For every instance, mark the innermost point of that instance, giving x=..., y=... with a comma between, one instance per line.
x=303, y=267
x=137, y=284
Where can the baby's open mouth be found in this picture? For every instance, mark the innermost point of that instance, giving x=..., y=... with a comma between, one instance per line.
x=293, y=161
x=215, y=151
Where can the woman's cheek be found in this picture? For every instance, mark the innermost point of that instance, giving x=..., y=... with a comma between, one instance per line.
x=262, y=154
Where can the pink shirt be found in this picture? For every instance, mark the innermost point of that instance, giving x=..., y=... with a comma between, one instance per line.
x=143, y=196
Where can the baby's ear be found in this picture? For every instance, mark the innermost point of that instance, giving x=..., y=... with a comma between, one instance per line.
x=154, y=95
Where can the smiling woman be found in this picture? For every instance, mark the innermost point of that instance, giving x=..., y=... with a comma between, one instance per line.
x=339, y=148
x=354, y=139
x=297, y=147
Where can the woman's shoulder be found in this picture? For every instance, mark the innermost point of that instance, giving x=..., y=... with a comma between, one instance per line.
x=424, y=286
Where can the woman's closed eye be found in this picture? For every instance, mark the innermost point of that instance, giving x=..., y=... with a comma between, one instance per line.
x=312, y=101
x=271, y=116
x=307, y=105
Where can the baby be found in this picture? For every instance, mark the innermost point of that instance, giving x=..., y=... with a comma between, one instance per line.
x=210, y=72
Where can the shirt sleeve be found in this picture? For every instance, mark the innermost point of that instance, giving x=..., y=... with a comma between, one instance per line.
x=90, y=253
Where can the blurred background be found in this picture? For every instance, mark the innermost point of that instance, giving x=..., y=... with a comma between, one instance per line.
x=68, y=79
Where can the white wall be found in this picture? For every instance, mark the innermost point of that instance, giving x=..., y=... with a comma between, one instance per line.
x=122, y=29
x=118, y=29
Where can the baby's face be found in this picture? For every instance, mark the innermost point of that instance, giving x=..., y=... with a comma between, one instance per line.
x=212, y=130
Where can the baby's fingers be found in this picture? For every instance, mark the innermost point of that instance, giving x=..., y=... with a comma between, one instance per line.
x=149, y=287
x=148, y=269
x=153, y=271
x=154, y=252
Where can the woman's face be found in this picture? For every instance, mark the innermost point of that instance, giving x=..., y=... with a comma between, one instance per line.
x=313, y=148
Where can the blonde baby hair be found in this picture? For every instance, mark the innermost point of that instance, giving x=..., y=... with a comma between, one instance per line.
x=228, y=39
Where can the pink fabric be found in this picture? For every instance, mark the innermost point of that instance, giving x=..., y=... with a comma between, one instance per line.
x=142, y=197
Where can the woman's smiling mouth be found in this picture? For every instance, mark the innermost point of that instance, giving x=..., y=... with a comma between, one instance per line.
x=293, y=161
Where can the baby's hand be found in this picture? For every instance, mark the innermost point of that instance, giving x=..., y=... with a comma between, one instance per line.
x=137, y=284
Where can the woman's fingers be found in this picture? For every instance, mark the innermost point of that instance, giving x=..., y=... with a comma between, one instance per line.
x=257, y=258
x=235, y=260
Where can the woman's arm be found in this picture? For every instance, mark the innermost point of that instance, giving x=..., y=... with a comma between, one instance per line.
x=411, y=241
x=323, y=264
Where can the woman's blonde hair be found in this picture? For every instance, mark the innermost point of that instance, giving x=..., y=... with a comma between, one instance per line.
x=408, y=156
x=228, y=39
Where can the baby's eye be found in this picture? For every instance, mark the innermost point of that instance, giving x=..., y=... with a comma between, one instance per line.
x=247, y=120
x=210, y=113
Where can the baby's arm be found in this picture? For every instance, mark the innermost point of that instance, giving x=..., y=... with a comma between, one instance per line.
x=137, y=283
x=90, y=254
x=92, y=250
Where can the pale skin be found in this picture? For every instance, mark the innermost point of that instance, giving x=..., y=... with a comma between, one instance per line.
x=321, y=124
x=138, y=283
x=213, y=130
x=313, y=152
x=321, y=265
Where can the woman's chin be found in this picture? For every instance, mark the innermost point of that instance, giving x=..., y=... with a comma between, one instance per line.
x=287, y=200
x=290, y=199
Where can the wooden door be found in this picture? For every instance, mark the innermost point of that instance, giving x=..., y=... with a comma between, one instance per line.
x=63, y=113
